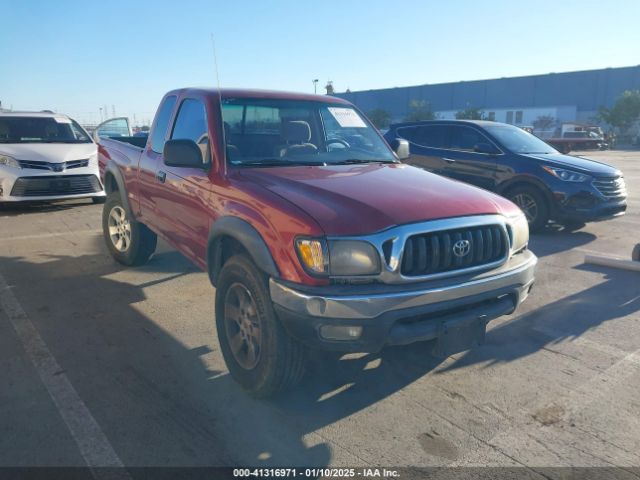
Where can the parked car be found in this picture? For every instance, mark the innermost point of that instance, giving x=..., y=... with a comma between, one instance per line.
x=46, y=156
x=311, y=230
x=544, y=183
x=578, y=140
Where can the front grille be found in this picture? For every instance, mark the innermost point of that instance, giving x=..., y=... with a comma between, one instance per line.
x=54, y=167
x=430, y=253
x=612, y=187
x=55, y=185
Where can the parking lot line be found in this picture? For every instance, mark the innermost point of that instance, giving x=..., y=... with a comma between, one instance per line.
x=91, y=440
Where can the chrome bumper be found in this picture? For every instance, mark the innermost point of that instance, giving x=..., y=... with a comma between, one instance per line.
x=518, y=273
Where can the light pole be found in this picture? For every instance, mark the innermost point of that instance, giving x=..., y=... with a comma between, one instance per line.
x=315, y=85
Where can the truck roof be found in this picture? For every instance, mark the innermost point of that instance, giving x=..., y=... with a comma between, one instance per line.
x=257, y=93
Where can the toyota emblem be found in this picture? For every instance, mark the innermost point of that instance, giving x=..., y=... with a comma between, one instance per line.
x=461, y=248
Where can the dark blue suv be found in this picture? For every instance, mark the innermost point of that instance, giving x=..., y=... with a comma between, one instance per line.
x=544, y=183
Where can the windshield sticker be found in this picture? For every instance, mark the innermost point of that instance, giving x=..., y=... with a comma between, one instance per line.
x=62, y=120
x=347, y=117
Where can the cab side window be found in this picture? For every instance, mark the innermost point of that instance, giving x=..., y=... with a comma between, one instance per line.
x=191, y=124
x=162, y=124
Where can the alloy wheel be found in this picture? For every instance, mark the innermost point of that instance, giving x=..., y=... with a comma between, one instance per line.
x=242, y=326
x=528, y=205
x=119, y=229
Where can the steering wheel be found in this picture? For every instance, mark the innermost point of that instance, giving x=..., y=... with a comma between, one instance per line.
x=338, y=141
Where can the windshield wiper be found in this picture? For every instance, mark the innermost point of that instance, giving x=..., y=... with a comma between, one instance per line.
x=354, y=161
x=277, y=162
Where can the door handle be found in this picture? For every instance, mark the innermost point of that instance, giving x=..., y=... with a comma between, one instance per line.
x=161, y=176
x=448, y=160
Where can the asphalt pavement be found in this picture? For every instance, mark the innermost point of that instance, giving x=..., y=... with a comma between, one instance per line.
x=106, y=365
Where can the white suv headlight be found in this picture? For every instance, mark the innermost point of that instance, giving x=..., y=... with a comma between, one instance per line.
x=519, y=232
x=8, y=161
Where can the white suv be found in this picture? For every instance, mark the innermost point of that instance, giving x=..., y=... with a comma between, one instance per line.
x=46, y=156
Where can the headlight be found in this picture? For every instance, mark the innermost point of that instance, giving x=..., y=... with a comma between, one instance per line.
x=519, y=232
x=9, y=161
x=313, y=255
x=566, y=175
x=353, y=257
x=338, y=258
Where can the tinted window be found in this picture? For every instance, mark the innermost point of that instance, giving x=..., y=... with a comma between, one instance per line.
x=162, y=124
x=191, y=124
x=434, y=136
x=466, y=138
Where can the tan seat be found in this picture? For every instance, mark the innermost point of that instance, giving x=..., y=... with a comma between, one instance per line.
x=296, y=135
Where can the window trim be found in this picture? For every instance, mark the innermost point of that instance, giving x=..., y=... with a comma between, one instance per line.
x=500, y=151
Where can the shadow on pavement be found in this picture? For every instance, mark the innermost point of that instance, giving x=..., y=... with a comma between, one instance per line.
x=11, y=209
x=155, y=398
x=556, y=238
x=570, y=317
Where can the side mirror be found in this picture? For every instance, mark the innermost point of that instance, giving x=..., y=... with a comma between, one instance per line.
x=485, y=148
x=401, y=148
x=182, y=153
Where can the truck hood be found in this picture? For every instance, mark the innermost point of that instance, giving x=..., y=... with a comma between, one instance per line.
x=579, y=164
x=49, y=152
x=362, y=199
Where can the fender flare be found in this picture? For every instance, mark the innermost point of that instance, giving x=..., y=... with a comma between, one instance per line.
x=113, y=170
x=245, y=234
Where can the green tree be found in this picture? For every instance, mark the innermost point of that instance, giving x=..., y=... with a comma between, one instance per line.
x=419, y=110
x=625, y=111
x=380, y=118
x=470, y=113
x=544, y=122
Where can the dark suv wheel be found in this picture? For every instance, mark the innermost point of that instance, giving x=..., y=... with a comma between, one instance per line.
x=532, y=202
x=259, y=353
x=130, y=242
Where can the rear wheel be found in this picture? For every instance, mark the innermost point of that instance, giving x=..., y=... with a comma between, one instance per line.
x=130, y=242
x=259, y=353
x=532, y=203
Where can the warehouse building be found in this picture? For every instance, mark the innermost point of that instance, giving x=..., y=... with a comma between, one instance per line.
x=567, y=97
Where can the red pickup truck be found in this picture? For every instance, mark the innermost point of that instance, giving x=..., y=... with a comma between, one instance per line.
x=311, y=230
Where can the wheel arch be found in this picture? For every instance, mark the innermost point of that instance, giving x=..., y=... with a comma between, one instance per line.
x=525, y=181
x=230, y=235
x=114, y=181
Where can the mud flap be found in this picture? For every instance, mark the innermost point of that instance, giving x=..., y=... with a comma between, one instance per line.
x=458, y=335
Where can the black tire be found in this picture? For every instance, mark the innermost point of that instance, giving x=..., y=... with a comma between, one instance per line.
x=280, y=360
x=537, y=212
x=142, y=241
x=99, y=200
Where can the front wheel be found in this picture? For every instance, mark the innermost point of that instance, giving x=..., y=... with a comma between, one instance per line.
x=532, y=203
x=130, y=242
x=260, y=354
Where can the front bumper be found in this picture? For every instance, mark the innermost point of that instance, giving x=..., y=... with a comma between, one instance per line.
x=19, y=185
x=587, y=207
x=401, y=314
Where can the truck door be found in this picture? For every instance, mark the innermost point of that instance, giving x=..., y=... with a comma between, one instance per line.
x=182, y=201
x=470, y=157
x=113, y=127
x=149, y=187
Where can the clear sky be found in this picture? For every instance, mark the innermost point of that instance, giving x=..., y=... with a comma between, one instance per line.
x=77, y=56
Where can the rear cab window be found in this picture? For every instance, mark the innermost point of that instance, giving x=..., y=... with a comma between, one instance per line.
x=162, y=124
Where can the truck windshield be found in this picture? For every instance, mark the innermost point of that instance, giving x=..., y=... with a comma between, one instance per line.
x=273, y=132
x=519, y=141
x=41, y=130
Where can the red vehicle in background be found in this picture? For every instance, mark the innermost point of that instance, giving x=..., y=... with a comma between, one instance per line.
x=311, y=230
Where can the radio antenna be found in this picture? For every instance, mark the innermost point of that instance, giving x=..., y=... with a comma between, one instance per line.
x=222, y=129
